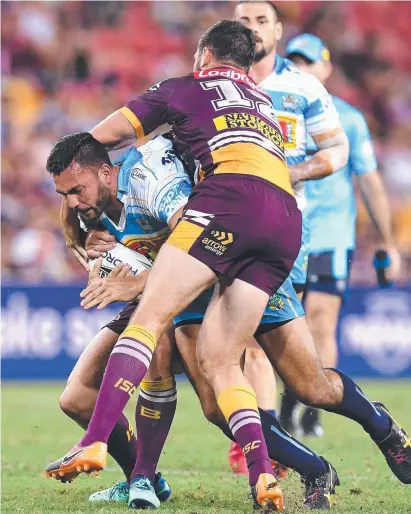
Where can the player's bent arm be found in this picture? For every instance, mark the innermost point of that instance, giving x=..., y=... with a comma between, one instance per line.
x=138, y=118
x=116, y=131
x=332, y=155
x=378, y=208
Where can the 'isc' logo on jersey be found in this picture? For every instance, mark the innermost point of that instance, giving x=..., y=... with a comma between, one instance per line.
x=288, y=126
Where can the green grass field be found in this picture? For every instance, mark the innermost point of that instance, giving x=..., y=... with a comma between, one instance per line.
x=34, y=432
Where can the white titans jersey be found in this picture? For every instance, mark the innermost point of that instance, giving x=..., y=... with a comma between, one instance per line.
x=302, y=104
x=152, y=185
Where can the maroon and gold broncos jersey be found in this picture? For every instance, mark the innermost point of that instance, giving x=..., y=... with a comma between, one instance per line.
x=226, y=120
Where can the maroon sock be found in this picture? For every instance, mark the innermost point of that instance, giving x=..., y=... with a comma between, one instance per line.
x=122, y=446
x=127, y=365
x=155, y=411
x=245, y=425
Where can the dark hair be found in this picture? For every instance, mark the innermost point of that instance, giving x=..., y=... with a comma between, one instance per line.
x=271, y=4
x=295, y=55
x=230, y=41
x=81, y=147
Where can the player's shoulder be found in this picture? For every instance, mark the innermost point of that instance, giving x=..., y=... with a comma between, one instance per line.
x=142, y=168
x=164, y=89
x=288, y=77
x=157, y=161
x=160, y=143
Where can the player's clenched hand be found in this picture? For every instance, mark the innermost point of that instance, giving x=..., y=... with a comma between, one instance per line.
x=99, y=241
x=119, y=286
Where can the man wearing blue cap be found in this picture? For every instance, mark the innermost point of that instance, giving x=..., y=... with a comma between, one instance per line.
x=332, y=214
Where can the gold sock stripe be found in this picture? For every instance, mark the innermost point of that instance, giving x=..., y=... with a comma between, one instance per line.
x=234, y=398
x=141, y=334
x=158, y=385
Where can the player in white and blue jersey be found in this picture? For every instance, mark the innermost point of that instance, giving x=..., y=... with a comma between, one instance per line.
x=332, y=216
x=138, y=198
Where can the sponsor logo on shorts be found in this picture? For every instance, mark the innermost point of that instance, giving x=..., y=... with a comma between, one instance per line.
x=218, y=240
x=275, y=303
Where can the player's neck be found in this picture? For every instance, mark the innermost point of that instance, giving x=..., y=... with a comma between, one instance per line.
x=262, y=69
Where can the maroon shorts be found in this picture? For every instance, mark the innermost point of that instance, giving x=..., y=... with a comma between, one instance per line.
x=242, y=227
x=120, y=322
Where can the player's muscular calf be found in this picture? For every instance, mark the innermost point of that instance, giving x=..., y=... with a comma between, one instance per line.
x=79, y=396
x=292, y=352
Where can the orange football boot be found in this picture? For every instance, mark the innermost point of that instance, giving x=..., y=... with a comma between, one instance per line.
x=268, y=493
x=89, y=459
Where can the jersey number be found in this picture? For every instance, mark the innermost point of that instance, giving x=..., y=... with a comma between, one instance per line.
x=230, y=95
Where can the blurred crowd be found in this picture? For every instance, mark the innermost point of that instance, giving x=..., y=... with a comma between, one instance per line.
x=66, y=65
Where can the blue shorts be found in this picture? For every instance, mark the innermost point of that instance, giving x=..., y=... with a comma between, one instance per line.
x=299, y=272
x=282, y=307
x=329, y=271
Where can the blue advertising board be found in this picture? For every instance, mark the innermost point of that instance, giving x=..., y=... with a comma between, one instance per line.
x=374, y=333
x=44, y=330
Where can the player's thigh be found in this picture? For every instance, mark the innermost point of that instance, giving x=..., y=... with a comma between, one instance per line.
x=291, y=350
x=175, y=280
x=186, y=339
x=322, y=310
x=232, y=318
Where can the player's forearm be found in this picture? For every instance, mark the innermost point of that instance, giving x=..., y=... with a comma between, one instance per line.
x=115, y=132
x=69, y=223
x=376, y=201
x=332, y=156
x=138, y=284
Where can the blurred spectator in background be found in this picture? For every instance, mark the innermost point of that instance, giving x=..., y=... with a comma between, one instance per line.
x=66, y=65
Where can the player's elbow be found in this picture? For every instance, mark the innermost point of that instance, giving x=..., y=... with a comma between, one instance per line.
x=341, y=152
